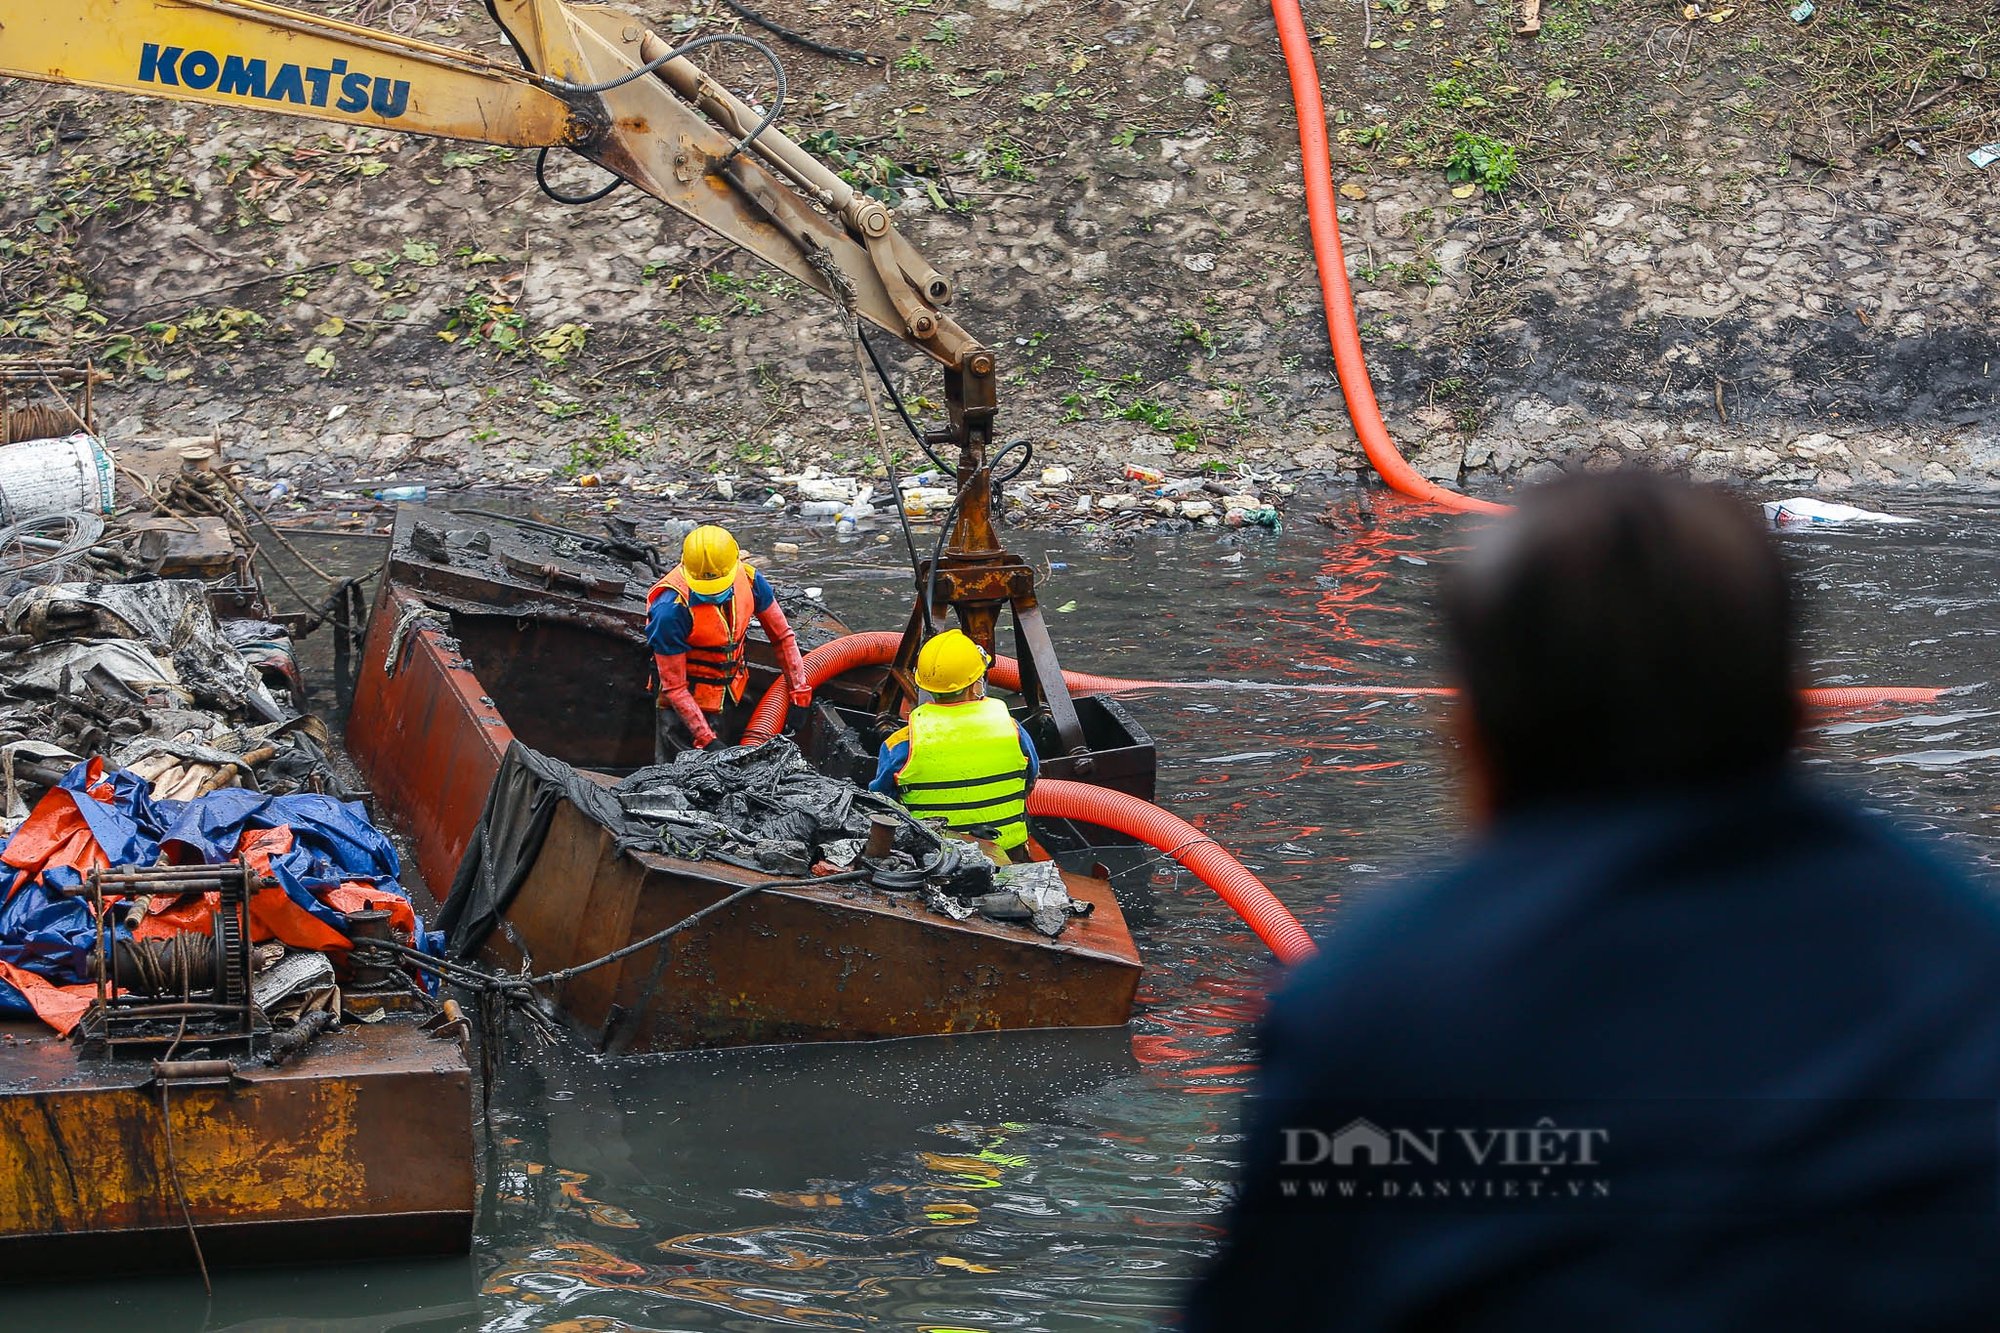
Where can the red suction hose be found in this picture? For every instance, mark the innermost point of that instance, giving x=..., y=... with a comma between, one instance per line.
x=1317, y=167
x=1867, y=696
x=1115, y=810
x=848, y=653
x=1053, y=798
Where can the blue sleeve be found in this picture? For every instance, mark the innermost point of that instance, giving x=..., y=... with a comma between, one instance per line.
x=1034, y=760
x=761, y=595
x=895, y=754
x=668, y=625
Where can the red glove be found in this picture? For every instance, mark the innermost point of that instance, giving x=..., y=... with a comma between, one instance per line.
x=779, y=631
x=674, y=694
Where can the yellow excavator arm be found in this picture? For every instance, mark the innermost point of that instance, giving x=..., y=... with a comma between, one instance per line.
x=592, y=79
x=596, y=81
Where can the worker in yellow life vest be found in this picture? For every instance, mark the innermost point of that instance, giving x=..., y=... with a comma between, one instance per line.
x=696, y=620
x=963, y=757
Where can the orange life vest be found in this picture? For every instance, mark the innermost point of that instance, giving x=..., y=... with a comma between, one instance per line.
x=716, y=664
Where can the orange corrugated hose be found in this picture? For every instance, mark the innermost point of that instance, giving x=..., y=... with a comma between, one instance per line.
x=1053, y=798
x=1235, y=885
x=1317, y=167
x=878, y=648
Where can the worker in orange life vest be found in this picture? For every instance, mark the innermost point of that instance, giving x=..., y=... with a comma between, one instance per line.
x=696, y=621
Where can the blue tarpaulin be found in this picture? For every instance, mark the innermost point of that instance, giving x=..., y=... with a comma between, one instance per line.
x=333, y=843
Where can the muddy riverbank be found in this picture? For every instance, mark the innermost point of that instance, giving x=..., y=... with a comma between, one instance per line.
x=1726, y=243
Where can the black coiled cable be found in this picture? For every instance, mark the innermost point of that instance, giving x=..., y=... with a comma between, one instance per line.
x=592, y=89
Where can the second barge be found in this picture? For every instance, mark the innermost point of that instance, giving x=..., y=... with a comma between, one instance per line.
x=487, y=633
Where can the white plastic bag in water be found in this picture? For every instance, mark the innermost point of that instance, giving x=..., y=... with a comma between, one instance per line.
x=1803, y=511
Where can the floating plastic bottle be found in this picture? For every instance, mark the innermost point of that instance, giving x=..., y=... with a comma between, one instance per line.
x=400, y=494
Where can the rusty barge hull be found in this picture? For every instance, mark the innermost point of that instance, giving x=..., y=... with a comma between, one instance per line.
x=564, y=672
x=819, y=963
x=362, y=1149
x=559, y=664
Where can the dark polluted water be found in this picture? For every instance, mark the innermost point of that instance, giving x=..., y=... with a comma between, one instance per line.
x=1063, y=1180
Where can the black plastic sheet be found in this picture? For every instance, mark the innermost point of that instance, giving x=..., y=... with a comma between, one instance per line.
x=762, y=808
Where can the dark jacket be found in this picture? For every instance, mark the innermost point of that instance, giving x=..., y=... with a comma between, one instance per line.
x=1766, y=1032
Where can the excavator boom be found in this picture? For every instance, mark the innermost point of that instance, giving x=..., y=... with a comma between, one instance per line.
x=596, y=81
x=583, y=85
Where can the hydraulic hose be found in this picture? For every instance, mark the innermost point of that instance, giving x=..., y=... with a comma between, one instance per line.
x=878, y=648
x=1053, y=798
x=1317, y=167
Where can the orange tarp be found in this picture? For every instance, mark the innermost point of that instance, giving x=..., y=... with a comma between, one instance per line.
x=58, y=1006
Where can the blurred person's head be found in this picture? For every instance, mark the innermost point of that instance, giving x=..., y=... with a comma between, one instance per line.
x=1620, y=634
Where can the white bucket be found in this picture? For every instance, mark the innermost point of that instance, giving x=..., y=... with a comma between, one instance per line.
x=41, y=477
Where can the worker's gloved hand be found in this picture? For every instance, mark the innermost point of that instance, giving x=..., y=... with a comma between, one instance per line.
x=794, y=664
x=706, y=739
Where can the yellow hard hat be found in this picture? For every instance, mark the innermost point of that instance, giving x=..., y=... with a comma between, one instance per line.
x=709, y=555
x=950, y=662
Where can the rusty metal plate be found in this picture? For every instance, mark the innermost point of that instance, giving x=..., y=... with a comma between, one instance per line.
x=362, y=1148
x=427, y=736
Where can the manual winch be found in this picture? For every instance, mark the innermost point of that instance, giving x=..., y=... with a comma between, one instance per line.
x=183, y=992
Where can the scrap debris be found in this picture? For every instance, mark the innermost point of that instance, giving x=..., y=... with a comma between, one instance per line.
x=155, y=750
x=143, y=674
x=761, y=808
x=766, y=808
x=1245, y=497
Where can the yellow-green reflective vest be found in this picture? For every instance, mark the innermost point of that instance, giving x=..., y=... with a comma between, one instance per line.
x=967, y=765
